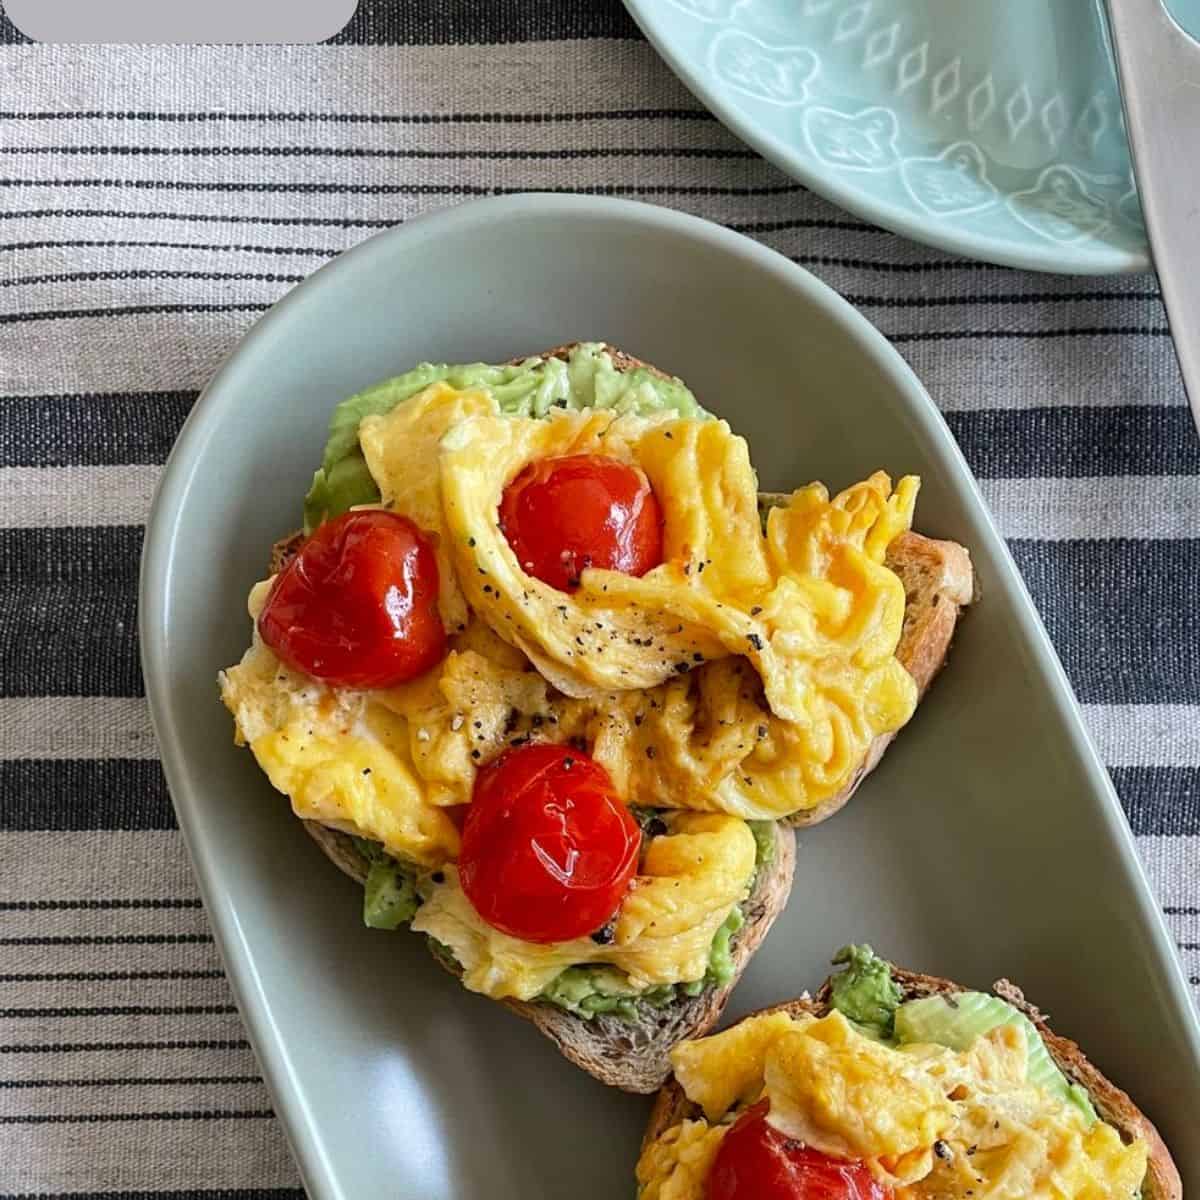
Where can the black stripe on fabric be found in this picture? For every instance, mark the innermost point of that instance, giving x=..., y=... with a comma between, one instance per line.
x=191, y=1194
x=560, y=154
x=1189, y=945
x=870, y=264
x=94, y=276
x=104, y=976
x=987, y=298
x=1160, y=801
x=106, y=1047
x=67, y=615
x=110, y=939
x=467, y=22
x=1073, y=441
x=133, y=310
x=1181, y=910
x=200, y=218
x=216, y=1114
x=68, y=619
x=84, y=793
x=323, y=251
x=91, y=429
x=99, y=905
x=131, y=1081
x=336, y=118
x=961, y=335
x=1111, y=606
x=120, y=1010
x=413, y=189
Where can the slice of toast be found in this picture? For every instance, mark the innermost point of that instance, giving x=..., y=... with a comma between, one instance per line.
x=631, y=1055
x=1162, y=1180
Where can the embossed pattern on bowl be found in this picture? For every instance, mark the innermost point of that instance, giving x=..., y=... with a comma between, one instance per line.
x=992, y=129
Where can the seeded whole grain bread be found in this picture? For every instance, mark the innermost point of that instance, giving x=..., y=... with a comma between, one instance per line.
x=1114, y=1106
x=629, y=1054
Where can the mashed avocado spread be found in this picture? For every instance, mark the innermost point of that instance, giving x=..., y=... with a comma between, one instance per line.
x=865, y=991
x=586, y=379
x=390, y=899
x=866, y=994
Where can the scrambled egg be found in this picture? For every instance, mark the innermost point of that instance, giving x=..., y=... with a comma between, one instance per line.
x=677, y=1164
x=689, y=879
x=341, y=756
x=932, y=1122
x=751, y=670
x=746, y=676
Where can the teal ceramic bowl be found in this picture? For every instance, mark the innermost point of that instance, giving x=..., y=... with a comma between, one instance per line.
x=958, y=856
x=993, y=130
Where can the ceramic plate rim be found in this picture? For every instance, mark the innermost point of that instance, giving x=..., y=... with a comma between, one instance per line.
x=1095, y=259
x=205, y=421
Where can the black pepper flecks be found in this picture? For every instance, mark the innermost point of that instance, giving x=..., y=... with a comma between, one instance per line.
x=650, y=751
x=605, y=934
x=755, y=641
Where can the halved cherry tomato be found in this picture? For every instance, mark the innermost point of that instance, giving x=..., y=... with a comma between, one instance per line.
x=357, y=606
x=757, y=1162
x=561, y=515
x=548, y=848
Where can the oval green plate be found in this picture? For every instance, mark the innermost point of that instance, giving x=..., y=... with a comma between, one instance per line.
x=993, y=130
x=958, y=856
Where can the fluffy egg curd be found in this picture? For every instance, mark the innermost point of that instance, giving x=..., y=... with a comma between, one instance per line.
x=741, y=679
x=926, y=1120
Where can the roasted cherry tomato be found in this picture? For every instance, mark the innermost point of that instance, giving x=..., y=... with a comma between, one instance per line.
x=357, y=606
x=561, y=515
x=548, y=848
x=757, y=1162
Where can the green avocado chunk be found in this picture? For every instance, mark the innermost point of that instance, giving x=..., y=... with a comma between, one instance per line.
x=594, y=989
x=957, y=1020
x=587, y=379
x=390, y=892
x=865, y=991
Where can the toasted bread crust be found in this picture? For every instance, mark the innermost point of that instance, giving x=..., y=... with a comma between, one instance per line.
x=631, y=1055
x=1162, y=1180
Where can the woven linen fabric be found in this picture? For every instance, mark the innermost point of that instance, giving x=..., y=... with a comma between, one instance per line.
x=155, y=200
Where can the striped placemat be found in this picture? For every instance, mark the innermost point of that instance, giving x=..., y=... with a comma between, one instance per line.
x=155, y=200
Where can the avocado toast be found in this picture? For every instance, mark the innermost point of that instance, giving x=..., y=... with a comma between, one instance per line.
x=620, y=1035
x=880, y=1007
